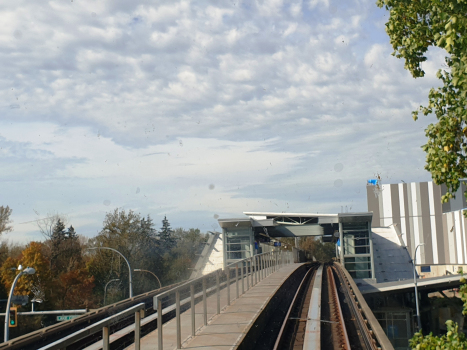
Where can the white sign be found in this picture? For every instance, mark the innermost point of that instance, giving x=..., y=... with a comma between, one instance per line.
x=66, y=318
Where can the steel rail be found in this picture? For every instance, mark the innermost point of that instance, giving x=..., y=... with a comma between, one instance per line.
x=338, y=310
x=367, y=334
x=295, y=300
x=312, y=339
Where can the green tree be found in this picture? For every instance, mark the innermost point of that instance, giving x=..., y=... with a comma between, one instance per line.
x=413, y=27
x=166, y=236
x=132, y=236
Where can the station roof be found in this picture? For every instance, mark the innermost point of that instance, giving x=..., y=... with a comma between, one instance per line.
x=423, y=284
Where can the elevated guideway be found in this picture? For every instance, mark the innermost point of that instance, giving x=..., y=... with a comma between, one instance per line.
x=240, y=307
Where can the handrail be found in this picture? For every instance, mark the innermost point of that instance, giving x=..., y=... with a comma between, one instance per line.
x=252, y=269
x=103, y=325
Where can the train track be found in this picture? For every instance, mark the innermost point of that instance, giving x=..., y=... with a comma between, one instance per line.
x=324, y=314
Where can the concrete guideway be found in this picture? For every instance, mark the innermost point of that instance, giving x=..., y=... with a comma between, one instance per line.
x=227, y=329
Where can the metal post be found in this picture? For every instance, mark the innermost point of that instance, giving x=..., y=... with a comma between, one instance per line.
x=205, y=303
x=243, y=279
x=248, y=274
x=236, y=279
x=105, y=338
x=7, y=312
x=138, y=330
x=193, y=321
x=177, y=319
x=159, y=324
x=228, y=286
x=419, y=322
x=218, y=292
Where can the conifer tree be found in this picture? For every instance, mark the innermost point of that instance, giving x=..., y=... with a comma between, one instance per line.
x=166, y=235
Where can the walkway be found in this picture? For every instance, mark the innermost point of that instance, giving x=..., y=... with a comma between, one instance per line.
x=226, y=330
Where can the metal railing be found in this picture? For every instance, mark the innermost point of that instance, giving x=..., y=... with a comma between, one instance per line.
x=103, y=325
x=247, y=272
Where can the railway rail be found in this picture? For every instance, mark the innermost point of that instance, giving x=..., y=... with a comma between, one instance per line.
x=326, y=314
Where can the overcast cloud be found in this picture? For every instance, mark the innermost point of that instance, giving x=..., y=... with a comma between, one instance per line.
x=196, y=110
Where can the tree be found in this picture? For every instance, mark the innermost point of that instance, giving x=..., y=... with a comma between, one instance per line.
x=413, y=27
x=323, y=252
x=5, y=213
x=166, y=236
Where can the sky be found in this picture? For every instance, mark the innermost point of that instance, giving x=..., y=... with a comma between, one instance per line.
x=200, y=110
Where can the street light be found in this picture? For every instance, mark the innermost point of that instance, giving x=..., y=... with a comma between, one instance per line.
x=152, y=273
x=26, y=271
x=105, y=288
x=129, y=267
x=419, y=322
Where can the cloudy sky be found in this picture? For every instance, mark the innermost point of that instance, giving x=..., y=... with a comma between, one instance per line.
x=200, y=109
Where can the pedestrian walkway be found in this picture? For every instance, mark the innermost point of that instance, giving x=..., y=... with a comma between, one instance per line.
x=226, y=330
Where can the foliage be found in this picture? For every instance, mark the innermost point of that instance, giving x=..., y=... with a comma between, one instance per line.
x=322, y=252
x=453, y=339
x=413, y=27
x=5, y=213
x=166, y=236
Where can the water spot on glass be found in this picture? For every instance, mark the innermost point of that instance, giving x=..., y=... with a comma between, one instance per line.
x=18, y=34
x=14, y=106
x=338, y=167
x=338, y=183
x=137, y=190
x=107, y=202
x=211, y=186
x=332, y=9
x=216, y=216
x=93, y=14
x=180, y=143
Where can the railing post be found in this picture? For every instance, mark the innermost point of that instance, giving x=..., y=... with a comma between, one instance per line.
x=177, y=316
x=247, y=273
x=261, y=267
x=159, y=324
x=138, y=330
x=243, y=279
x=236, y=279
x=218, y=292
x=193, y=321
x=256, y=270
x=105, y=338
x=205, y=304
x=228, y=286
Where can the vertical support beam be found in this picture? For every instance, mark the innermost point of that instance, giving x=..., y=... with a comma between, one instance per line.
x=193, y=311
x=159, y=324
x=248, y=269
x=370, y=240
x=256, y=269
x=105, y=338
x=138, y=330
x=177, y=319
x=205, y=303
x=341, y=238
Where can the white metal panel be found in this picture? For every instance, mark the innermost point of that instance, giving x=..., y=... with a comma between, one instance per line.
x=416, y=236
x=434, y=234
x=457, y=224
x=451, y=243
x=387, y=205
x=403, y=230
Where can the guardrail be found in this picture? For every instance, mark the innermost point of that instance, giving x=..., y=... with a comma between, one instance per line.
x=248, y=271
x=103, y=325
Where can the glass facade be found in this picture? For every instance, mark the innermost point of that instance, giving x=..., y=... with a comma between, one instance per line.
x=238, y=243
x=396, y=325
x=357, y=249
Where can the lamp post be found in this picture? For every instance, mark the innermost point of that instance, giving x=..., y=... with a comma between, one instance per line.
x=105, y=288
x=415, y=283
x=152, y=273
x=129, y=267
x=26, y=271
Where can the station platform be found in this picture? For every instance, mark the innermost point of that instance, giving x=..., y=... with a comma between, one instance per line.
x=227, y=329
